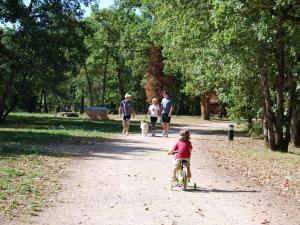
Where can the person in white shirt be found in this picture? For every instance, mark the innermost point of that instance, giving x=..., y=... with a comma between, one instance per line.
x=154, y=111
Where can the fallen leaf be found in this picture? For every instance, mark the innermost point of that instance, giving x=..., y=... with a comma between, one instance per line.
x=265, y=221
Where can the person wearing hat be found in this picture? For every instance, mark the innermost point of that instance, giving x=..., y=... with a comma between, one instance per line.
x=125, y=111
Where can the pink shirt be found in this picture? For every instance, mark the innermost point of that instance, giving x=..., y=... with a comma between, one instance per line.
x=183, y=149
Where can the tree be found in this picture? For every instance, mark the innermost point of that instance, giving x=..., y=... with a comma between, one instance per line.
x=237, y=48
x=40, y=42
x=116, y=60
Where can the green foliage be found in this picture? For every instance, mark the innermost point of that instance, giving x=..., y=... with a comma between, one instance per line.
x=117, y=56
x=28, y=60
x=216, y=45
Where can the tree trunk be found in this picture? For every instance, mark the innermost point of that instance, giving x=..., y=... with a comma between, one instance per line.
x=295, y=125
x=291, y=107
x=105, y=78
x=89, y=87
x=295, y=129
x=267, y=101
x=31, y=103
x=297, y=138
x=157, y=81
x=81, y=103
x=268, y=110
x=265, y=127
x=40, y=103
x=221, y=111
x=5, y=95
x=250, y=122
x=197, y=106
x=119, y=75
x=181, y=109
x=285, y=65
x=2, y=109
x=45, y=103
x=205, y=105
x=121, y=84
x=279, y=83
x=5, y=110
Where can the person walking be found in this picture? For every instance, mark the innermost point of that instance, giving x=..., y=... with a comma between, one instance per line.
x=125, y=111
x=166, y=112
x=153, y=111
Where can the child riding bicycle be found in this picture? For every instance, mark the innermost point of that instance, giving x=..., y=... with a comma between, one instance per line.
x=182, y=151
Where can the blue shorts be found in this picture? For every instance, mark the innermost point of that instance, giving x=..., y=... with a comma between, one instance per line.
x=165, y=118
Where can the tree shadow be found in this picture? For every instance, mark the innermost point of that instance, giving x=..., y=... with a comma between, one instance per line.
x=32, y=137
x=215, y=190
x=296, y=153
x=52, y=122
x=32, y=129
x=208, y=132
x=12, y=151
x=116, y=147
x=84, y=148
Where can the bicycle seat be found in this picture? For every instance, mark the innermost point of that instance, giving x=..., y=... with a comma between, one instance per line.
x=183, y=161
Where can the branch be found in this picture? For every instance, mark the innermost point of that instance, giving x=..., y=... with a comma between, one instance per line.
x=283, y=13
x=292, y=18
x=30, y=7
x=16, y=97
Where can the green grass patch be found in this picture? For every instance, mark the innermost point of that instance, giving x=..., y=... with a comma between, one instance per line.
x=25, y=128
x=27, y=177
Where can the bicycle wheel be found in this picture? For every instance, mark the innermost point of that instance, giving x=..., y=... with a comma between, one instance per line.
x=184, y=180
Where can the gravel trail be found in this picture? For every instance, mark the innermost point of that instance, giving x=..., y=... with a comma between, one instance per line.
x=125, y=181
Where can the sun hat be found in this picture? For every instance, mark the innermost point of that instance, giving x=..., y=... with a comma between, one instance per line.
x=127, y=95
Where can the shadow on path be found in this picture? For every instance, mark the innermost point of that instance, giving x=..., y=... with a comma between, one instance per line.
x=215, y=190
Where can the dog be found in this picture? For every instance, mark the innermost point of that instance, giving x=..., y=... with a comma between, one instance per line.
x=144, y=128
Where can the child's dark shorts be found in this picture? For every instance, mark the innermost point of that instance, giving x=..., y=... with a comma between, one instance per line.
x=165, y=118
x=126, y=117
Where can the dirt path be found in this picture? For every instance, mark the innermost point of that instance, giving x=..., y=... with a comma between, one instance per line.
x=126, y=181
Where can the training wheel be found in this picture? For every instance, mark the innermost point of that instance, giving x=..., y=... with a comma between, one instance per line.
x=171, y=187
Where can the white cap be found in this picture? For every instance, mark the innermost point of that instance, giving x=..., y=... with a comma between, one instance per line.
x=127, y=95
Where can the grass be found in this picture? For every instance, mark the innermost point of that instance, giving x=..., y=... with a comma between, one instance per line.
x=23, y=128
x=27, y=177
x=279, y=172
x=28, y=173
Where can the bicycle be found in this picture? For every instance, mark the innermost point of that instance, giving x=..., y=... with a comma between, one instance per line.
x=181, y=177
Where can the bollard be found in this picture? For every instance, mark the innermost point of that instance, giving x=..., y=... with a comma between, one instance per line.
x=230, y=132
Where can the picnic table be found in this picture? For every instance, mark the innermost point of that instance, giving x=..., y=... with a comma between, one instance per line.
x=97, y=113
